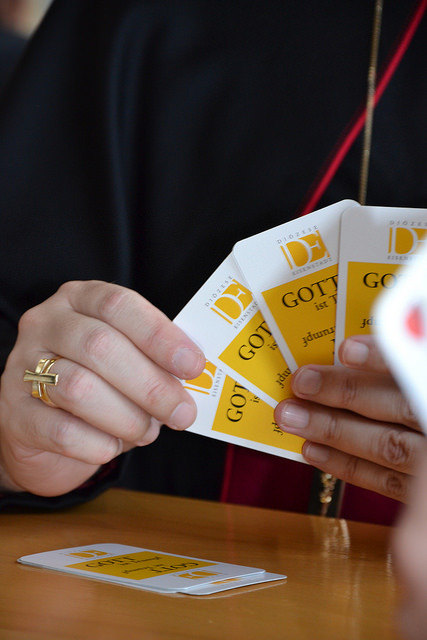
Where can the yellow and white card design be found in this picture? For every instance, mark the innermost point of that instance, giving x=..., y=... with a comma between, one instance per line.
x=140, y=568
x=234, y=583
x=375, y=242
x=292, y=271
x=224, y=319
x=227, y=411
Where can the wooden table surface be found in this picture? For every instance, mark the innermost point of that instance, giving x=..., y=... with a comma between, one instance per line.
x=340, y=580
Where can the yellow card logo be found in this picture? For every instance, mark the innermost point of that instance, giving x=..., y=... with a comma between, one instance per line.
x=204, y=383
x=305, y=250
x=196, y=575
x=405, y=240
x=232, y=303
x=90, y=553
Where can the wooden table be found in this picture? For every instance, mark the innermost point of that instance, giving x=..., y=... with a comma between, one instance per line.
x=340, y=581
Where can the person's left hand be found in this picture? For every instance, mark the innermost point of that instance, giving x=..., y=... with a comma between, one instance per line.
x=358, y=425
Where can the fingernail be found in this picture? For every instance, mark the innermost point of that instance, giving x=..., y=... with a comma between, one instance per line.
x=307, y=382
x=183, y=416
x=188, y=362
x=315, y=453
x=293, y=416
x=355, y=352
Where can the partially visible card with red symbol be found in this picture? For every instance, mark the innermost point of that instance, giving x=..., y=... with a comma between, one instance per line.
x=402, y=332
x=414, y=323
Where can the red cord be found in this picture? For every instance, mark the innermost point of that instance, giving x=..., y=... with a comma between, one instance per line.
x=351, y=136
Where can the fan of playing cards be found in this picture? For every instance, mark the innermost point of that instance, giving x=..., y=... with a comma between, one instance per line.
x=281, y=300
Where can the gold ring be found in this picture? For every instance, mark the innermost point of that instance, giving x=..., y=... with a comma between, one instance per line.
x=40, y=378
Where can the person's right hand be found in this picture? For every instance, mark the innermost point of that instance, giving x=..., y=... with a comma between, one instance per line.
x=119, y=355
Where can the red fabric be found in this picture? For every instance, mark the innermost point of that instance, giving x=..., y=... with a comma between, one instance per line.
x=258, y=479
x=366, y=506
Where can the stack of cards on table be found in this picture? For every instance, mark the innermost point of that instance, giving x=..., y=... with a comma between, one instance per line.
x=149, y=570
x=283, y=299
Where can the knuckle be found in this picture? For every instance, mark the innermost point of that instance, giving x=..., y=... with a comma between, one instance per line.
x=394, y=449
x=154, y=332
x=30, y=320
x=112, y=302
x=156, y=391
x=351, y=469
x=98, y=343
x=135, y=427
x=405, y=413
x=332, y=428
x=68, y=288
x=396, y=486
x=64, y=434
x=77, y=385
x=349, y=391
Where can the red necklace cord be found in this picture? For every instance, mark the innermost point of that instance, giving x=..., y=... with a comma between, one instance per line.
x=357, y=127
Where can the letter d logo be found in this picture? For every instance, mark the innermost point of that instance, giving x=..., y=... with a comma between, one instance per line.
x=305, y=250
x=92, y=553
x=405, y=239
x=231, y=304
x=204, y=382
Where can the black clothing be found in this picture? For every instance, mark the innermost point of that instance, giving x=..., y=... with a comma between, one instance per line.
x=11, y=48
x=140, y=139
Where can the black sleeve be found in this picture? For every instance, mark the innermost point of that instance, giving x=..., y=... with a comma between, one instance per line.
x=11, y=49
x=106, y=477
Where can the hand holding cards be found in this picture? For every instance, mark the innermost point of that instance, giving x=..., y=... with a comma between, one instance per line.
x=274, y=304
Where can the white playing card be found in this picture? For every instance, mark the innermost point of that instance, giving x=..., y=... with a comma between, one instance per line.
x=234, y=583
x=402, y=331
x=137, y=567
x=227, y=411
x=224, y=319
x=375, y=243
x=292, y=272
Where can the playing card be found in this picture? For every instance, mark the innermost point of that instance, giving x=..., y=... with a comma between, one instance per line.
x=224, y=319
x=292, y=272
x=401, y=329
x=375, y=243
x=227, y=411
x=138, y=567
x=234, y=583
